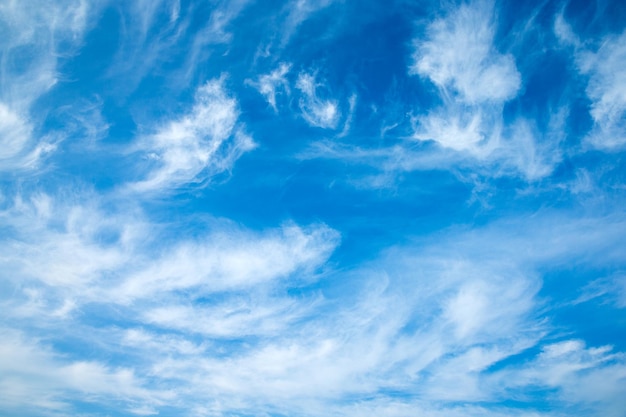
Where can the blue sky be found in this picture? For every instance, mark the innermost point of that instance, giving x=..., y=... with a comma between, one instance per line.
x=312, y=208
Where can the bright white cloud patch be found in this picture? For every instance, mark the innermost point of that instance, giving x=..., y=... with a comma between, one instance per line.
x=459, y=56
x=271, y=84
x=317, y=111
x=77, y=249
x=230, y=261
x=204, y=142
x=461, y=129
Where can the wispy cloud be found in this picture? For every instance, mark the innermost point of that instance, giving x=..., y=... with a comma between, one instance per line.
x=192, y=148
x=134, y=280
x=230, y=261
x=475, y=80
x=317, y=111
x=78, y=251
x=417, y=320
x=458, y=55
x=606, y=89
x=35, y=378
x=603, y=66
x=271, y=84
x=298, y=11
x=230, y=314
x=610, y=290
x=15, y=140
x=26, y=76
x=36, y=37
x=582, y=375
x=66, y=259
x=138, y=53
x=157, y=33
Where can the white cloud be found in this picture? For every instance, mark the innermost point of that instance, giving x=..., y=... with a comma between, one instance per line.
x=63, y=244
x=14, y=133
x=467, y=140
x=299, y=11
x=317, y=111
x=459, y=57
x=461, y=129
x=582, y=375
x=229, y=315
x=66, y=254
x=564, y=32
x=202, y=143
x=230, y=261
x=137, y=52
x=17, y=150
x=605, y=69
x=606, y=89
x=610, y=289
x=148, y=44
x=486, y=143
x=418, y=321
x=35, y=377
x=348, y=122
x=475, y=80
x=467, y=131
x=36, y=36
x=432, y=324
x=269, y=84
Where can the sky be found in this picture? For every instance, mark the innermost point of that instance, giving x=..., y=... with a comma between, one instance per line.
x=312, y=208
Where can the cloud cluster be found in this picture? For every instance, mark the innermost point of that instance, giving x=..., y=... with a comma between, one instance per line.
x=114, y=301
x=467, y=123
x=229, y=314
x=475, y=80
x=316, y=105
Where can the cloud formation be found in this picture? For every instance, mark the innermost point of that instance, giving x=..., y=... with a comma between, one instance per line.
x=204, y=142
x=431, y=222
x=475, y=80
x=270, y=84
x=36, y=37
x=317, y=111
x=459, y=57
x=606, y=90
x=230, y=315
